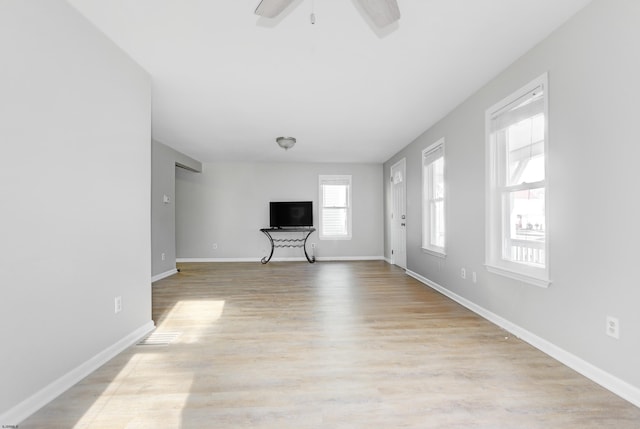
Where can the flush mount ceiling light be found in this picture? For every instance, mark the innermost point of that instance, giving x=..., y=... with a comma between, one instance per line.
x=286, y=143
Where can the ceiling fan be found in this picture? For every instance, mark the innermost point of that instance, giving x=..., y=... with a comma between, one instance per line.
x=381, y=12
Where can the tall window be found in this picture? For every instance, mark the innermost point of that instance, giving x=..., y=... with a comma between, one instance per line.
x=433, y=198
x=517, y=221
x=335, y=207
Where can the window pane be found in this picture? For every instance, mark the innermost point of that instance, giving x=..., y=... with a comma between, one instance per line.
x=334, y=221
x=526, y=228
x=437, y=169
x=334, y=195
x=527, y=214
x=525, y=151
x=437, y=223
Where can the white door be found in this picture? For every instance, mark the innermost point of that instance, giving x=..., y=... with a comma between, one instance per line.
x=398, y=214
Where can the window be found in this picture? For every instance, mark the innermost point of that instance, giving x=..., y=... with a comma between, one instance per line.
x=433, y=199
x=335, y=207
x=517, y=221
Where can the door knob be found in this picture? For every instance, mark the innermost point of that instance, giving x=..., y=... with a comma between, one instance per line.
x=402, y=224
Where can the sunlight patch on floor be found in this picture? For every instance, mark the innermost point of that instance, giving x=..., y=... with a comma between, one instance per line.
x=121, y=405
x=193, y=318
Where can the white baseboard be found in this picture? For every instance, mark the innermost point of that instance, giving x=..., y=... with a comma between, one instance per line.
x=350, y=258
x=608, y=381
x=278, y=259
x=163, y=275
x=24, y=409
x=217, y=259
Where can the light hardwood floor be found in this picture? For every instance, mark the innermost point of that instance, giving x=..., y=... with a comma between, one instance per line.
x=327, y=345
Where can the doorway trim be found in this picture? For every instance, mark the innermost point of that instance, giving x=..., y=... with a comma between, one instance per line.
x=397, y=221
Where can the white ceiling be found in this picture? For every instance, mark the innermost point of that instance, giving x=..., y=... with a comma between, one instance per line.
x=226, y=82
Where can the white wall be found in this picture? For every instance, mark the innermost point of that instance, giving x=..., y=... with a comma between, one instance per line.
x=74, y=195
x=229, y=202
x=593, y=68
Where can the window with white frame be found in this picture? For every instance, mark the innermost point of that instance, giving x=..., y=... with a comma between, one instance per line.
x=433, y=199
x=335, y=207
x=517, y=209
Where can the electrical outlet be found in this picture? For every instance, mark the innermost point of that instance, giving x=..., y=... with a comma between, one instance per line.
x=613, y=327
x=215, y=246
x=463, y=273
x=117, y=304
x=163, y=256
x=474, y=277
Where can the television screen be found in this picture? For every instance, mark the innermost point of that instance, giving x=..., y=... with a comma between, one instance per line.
x=287, y=214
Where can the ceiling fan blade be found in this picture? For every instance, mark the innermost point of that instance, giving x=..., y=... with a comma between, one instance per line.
x=272, y=8
x=381, y=12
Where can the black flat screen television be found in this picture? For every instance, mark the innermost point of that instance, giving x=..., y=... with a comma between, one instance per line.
x=290, y=214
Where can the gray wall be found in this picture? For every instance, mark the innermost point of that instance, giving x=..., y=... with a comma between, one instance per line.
x=593, y=66
x=74, y=188
x=164, y=161
x=229, y=202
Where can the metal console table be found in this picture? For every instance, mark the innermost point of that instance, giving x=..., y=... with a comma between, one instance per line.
x=288, y=242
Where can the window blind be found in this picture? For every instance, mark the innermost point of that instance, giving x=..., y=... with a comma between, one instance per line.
x=432, y=155
x=527, y=106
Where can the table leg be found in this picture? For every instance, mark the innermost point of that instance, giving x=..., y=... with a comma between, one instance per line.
x=265, y=259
